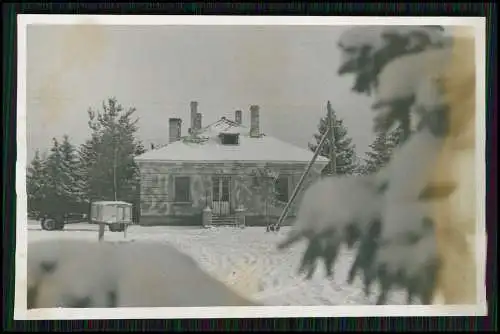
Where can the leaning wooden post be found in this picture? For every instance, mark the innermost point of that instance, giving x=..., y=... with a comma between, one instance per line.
x=303, y=177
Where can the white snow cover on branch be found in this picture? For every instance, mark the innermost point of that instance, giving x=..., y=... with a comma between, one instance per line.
x=338, y=202
x=410, y=167
x=373, y=38
x=413, y=75
x=404, y=194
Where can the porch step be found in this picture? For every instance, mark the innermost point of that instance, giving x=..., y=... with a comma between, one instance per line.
x=230, y=220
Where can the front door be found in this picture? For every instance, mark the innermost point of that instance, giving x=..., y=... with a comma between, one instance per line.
x=221, y=195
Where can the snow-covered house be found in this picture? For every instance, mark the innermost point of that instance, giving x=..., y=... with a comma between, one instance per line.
x=224, y=166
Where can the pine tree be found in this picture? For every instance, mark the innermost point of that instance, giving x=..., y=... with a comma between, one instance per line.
x=106, y=159
x=345, y=153
x=422, y=84
x=381, y=150
x=87, y=159
x=55, y=197
x=54, y=165
x=379, y=155
x=71, y=179
x=396, y=137
x=36, y=183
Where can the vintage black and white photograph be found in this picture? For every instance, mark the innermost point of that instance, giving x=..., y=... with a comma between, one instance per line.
x=295, y=165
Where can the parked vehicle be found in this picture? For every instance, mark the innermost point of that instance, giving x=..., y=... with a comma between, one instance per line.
x=117, y=215
x=51, y=222
x=57, y=217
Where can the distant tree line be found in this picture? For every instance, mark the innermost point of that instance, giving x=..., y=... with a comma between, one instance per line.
x=69, y=177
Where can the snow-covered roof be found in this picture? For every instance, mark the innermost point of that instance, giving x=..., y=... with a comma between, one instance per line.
x=249, y=149
x=112, y=203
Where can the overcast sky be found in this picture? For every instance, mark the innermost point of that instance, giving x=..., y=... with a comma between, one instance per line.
x=289, y=71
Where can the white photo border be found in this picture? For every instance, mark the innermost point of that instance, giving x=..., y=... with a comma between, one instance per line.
x=20, y=307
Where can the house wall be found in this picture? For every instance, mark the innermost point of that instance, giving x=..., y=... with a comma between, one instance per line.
x=158, y=205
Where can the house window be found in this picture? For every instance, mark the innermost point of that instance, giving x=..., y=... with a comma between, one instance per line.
x=229, y=138
x=182, y=189
x=281, y=188
x=255, y=181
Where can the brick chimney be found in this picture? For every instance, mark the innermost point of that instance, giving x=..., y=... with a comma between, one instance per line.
x=237, y=116
x=194, y=112
x=174, y=129
x=198, y=121
x=254, y=121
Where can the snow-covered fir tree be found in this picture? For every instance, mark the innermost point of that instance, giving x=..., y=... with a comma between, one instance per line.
x=345, y=150
x=53, y=183
x=71, y=180
x=56, y=200
x=87, y=159
x=417, y=226
x=403, y=67
x=107, y=158
x=36, y=183
x=379, y=155
x=54, y=169
x=367, y=51
x=381, y=150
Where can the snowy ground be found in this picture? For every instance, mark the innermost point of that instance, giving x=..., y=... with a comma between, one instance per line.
x=245, y=259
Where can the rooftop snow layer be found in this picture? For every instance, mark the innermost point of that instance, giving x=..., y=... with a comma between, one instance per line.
x=264, y=148
x=111, y=203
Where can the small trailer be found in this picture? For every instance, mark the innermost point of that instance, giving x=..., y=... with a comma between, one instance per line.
x=117, y=215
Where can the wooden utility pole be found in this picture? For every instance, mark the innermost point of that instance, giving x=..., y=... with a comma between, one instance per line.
x=331, y=126
x=303, y=177
x=115, y=186
x=102, y=226
x=114, y=170
x=330, y=131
